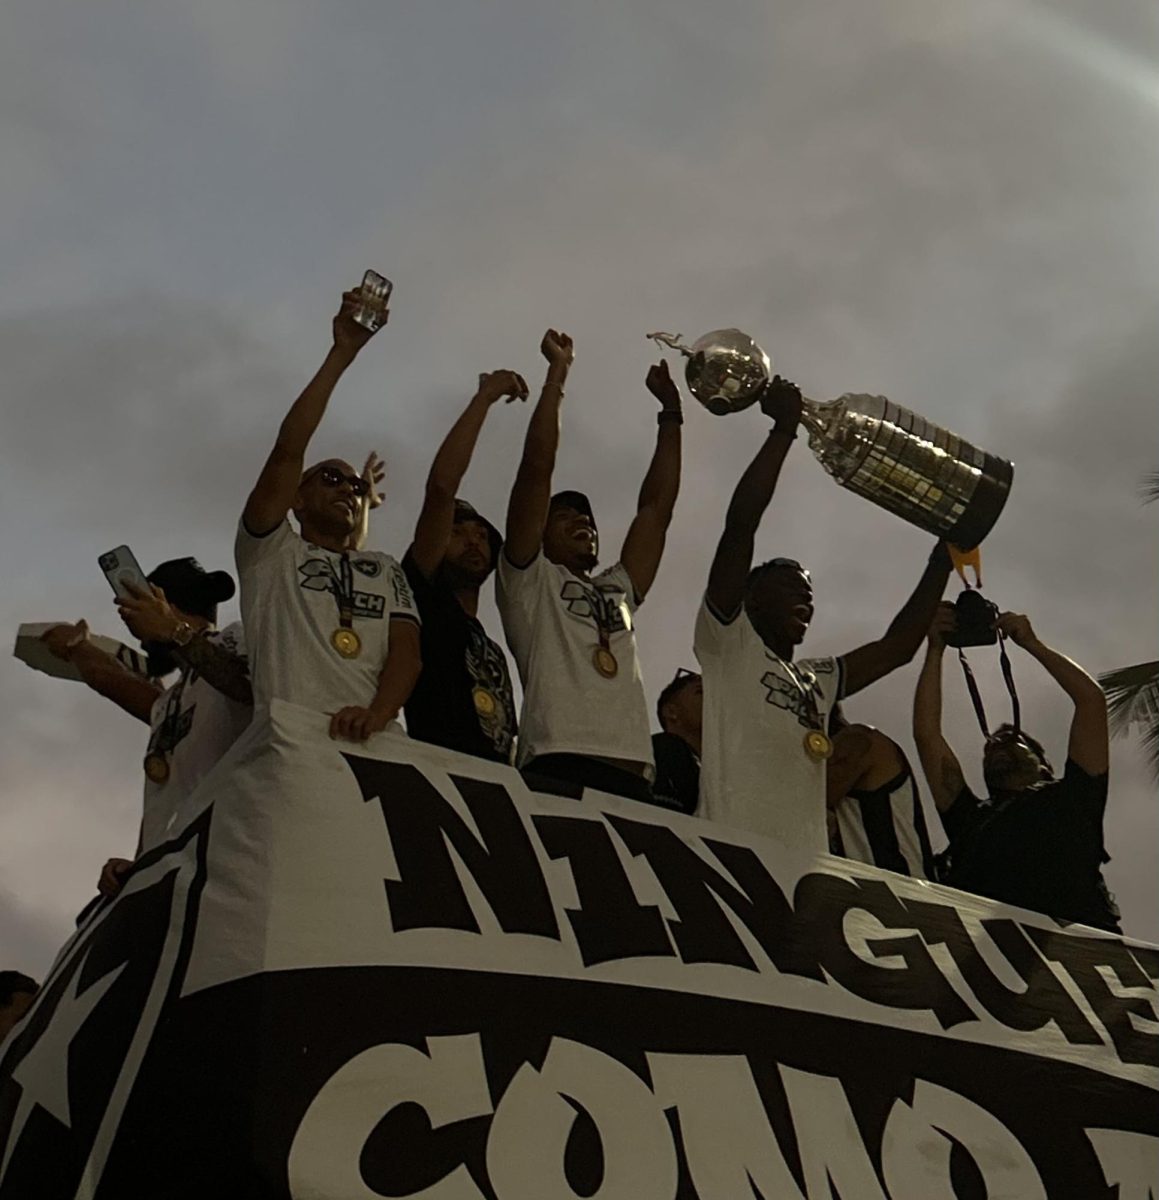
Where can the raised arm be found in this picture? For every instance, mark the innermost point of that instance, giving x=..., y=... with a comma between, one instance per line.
x=734, y=551
x=400, y=672
x=273, y=494
x=939, y=762
x=644, y=545
x=451, y=462
x=1089, y=745
x=101, y=671
x=901, y=640
x=531, y=493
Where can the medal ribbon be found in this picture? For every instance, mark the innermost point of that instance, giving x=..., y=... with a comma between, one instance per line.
x=164, y=737
x=344, y=592
x=812, y=712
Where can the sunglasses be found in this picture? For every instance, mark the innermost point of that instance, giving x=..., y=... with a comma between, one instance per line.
x=331, y=477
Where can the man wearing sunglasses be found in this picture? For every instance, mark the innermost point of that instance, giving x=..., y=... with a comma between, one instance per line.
x=1036, y=841
x=572, y=630
x=328, y=626
x=766, y=715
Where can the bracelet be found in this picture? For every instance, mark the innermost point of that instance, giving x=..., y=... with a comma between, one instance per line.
x=554, y=383
x=670, y=416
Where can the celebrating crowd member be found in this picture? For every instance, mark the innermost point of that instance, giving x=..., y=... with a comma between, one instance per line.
x=463, y=699
x=676, y=750
x=195, y=720
x=17, y=992
x=1036, y=841
x=874, y=797
x=765, y=716
x=328, y=626
x=585, y=717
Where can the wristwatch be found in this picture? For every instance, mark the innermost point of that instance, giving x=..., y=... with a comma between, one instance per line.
x=183, y=634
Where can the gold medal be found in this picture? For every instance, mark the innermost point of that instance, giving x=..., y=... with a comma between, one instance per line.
x=346, y=642
x=817, y=745
x=604, y=661
x=156, y=767
x=485, y=702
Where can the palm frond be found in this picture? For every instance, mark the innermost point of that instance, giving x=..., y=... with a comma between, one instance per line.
x=1133, y=699
x=1132, y=696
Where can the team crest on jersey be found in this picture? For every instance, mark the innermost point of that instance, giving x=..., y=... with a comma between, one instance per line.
x=594, y=604
x=370, y=567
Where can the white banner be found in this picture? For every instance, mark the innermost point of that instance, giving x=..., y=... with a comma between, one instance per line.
x=394, y=971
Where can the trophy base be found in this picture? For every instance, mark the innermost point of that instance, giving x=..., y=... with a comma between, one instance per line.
x=985, y=504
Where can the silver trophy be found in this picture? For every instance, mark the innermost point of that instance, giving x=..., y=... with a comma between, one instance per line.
x=875, y=448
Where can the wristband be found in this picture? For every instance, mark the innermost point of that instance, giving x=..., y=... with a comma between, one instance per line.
x=670, y=416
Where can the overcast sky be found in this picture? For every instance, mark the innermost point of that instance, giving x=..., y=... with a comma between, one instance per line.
x=950, y=204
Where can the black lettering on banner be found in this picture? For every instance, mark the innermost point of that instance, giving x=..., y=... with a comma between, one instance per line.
x=1045, y=998
x=823, y=900
x=610, y=922
x=423, y=827
x=701, y=931
x=1081, y=957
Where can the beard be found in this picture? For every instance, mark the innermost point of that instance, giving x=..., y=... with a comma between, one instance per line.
x=461, y=578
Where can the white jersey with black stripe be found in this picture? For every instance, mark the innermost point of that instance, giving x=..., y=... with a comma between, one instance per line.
x=885, y=826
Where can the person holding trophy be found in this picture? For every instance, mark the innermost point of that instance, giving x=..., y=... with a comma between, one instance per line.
x=765, y=738
x=571, y=629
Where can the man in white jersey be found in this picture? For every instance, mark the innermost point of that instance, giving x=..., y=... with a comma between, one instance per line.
x=194, y=721
x=572, y=633
x=874, y=801
x=328, y=626
x=765, y=716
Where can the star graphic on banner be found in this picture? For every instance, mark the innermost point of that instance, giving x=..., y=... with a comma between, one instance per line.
x=43, y=1072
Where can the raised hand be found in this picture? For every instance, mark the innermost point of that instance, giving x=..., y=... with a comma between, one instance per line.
x=945, y=622
x=349, y=335
x=62, y=640
x=148, y=614
x=374, y=472
x=557, y=348
x=781, y=400
x=662, y=386
x=1017, y=628
x=495, y=385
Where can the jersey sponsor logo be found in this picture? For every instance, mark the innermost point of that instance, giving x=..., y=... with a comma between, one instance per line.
x=403, y=596
x=783, y=693
x=604, y=607
x=318, y=575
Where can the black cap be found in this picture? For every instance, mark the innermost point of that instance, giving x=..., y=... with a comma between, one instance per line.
x=468, y=512
x=188, y=585
x=573, y=500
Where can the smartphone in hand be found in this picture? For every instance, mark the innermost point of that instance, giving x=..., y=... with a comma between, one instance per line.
x=374, y=295
x=121, y=568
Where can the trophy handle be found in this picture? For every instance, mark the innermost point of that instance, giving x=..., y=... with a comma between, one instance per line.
x=672, y=341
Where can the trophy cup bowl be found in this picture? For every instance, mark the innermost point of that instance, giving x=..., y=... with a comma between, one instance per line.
x=876, y=449
x=726, y=369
